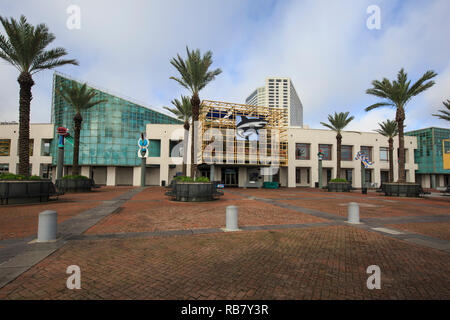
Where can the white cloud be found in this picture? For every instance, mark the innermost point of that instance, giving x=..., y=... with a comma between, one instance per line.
x=324, y=46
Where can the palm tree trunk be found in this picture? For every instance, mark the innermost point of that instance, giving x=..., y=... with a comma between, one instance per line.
x=26, y=82
x=185, y=147
x=76, y=144
x=195, y=102
x=391, y=160
x=400, y=118
x=338, y=160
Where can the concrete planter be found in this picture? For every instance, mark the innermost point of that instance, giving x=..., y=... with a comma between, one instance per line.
x=16, y=192
x=74, y=185
x=194, y=191
x=339, y=186
x=401, y=189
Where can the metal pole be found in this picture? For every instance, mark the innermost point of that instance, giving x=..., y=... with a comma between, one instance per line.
x=47, y=226
x=60, y=163
x=143, y=169
x=353, y=213
x=211, y=173
x=232, y=218
x=320, y=173
x=363, y=179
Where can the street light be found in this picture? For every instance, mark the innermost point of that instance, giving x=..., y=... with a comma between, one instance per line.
x=143, y=145
x=320, y=156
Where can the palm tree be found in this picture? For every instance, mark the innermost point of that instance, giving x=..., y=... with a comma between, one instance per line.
x=389, y=129
x=397, y=94
x=24, y=48
x=80, y=98
x=183, y=111
x=195, y=75
x=445, y=114
x=338, y=122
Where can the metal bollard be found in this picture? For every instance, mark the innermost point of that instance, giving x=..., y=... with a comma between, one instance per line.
x=47, y=226
x=353, y=213
x=232, y=219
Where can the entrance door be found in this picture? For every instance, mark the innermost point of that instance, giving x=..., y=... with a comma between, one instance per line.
x=230, y=177
x=384, y=176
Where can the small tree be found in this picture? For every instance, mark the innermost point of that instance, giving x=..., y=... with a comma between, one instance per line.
x=195, y=75
x=397, y=94
x=445, y=114
x=389, y=129
x=183, y=111
x=24, y=48
x=338, y=122
x=80, y=98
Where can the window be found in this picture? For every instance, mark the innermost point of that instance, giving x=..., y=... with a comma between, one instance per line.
x=45, y=147
x=45, y=171
x=349, y=174
x=384, y=154
x=154, y=148
x=346, y=153
x=302, y=151
x=367, y=151
x=326, y=150
x=5, y=145
x=4, y=167
x=31, y=147
x=175, y=148
x=298, y=175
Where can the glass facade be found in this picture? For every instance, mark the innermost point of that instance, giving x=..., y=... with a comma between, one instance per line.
x=5, y=146
x=430, y=151
x=346, y=153
x=109, y=131
x=326, y=150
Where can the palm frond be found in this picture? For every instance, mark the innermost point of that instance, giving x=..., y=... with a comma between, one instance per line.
x=445, y=114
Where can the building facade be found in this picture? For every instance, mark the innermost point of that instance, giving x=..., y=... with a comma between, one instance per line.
x=279, y=92
x=109, y=151
x=432, y=156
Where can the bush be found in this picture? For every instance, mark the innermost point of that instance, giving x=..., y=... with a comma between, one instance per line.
x=75, y=177
x=202, y=179
x=338, y=180
x=17, y=177
x=190, y=179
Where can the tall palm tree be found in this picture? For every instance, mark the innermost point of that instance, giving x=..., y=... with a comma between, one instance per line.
x=338, y=122
x=445, y=114
x=80, y=98
x=397, y=94
x=195, y=75
x=24, y=48
x=183, y=111
x=389, y=129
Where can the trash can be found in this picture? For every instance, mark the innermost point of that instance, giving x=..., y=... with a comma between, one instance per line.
x=316, y=184
x=163, y=183
x=364, y=190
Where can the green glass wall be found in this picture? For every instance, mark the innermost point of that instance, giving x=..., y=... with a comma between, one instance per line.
x=109, y=131
x=428, y=154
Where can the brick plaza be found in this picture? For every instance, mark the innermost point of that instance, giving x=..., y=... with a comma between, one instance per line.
x=134, y=243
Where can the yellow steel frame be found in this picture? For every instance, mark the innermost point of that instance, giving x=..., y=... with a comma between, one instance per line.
x=222, y=115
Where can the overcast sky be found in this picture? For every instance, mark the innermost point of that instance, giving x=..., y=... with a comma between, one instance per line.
x=325, y=47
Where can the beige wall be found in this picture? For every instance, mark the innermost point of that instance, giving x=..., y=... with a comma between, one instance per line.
x=37, y=133
x=317, y=136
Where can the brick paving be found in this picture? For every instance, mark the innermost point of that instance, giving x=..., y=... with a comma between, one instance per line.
x=440, y=230
x=303, y=261
x=314, y=263
x=148, y=212
x=20, y=221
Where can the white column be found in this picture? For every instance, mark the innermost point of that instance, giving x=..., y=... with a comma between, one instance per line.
x=137, y=176
x=111, y=176
x=85, y=171
x=163, y=173
x=242, y=176
x=291, y=176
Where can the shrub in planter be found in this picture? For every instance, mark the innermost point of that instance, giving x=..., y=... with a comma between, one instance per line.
x=74, y=183
x=339, y=185
x=402, y=189
x=16, y=189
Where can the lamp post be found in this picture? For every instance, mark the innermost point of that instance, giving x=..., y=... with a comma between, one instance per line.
x=143, y=145
x=320, y=156
x=62, y=132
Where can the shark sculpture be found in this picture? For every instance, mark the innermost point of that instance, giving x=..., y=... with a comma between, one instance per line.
x=247, y=127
